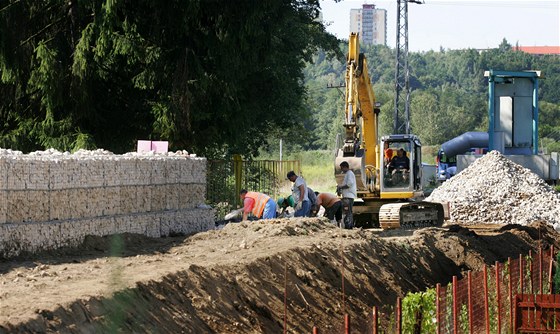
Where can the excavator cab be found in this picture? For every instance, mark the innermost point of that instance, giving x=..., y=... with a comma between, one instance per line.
x=400, y=172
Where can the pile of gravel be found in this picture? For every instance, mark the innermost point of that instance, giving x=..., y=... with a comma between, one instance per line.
x=496, y=190
x=53, y=154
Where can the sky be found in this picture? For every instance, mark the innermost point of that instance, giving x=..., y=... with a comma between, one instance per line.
x=459, y=24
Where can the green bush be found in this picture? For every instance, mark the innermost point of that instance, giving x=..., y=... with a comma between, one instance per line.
x=419, y=309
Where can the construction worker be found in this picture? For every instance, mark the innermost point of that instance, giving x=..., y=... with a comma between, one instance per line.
x=349, y=192
x=387, y=153
x=313, y=207
x=399, y=161
x=332, y=205
x=261, y=205
x=299, y=193
x=283, y=205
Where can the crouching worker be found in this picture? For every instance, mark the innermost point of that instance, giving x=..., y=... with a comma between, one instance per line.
x=283, y=205
x=332, y=205
x=261, y=205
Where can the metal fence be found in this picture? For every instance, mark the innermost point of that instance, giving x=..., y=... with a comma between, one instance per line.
x=511, y=297
x=484, y=302
x=225, y=178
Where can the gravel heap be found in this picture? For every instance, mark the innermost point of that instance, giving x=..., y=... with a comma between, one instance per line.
x=496, y=190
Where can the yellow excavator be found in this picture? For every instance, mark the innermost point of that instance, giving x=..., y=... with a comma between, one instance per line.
x=388, y=170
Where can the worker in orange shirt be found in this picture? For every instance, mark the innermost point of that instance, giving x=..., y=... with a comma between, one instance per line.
x=388, y=153
x=259, y=204
x=332, y=205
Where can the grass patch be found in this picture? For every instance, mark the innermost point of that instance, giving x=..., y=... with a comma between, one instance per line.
x=317, y=169
x=320, y=177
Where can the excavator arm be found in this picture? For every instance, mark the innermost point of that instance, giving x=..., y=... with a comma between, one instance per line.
x=361, y=121
x=360, y=148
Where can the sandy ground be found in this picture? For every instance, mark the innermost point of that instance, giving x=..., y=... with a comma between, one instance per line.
x=235, y=279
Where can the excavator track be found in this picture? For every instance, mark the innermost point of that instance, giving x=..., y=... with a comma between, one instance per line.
x=410, y=215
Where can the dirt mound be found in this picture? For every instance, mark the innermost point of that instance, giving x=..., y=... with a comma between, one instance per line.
x=234, y=280
x=496, y=190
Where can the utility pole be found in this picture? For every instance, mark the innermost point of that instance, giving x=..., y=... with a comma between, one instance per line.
x=402, y=84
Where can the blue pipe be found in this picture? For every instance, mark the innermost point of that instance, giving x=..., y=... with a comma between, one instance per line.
x=464, y=142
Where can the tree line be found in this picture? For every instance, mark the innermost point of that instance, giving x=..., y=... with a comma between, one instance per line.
x=449, y=93
x=211, y=77
x=221, y=77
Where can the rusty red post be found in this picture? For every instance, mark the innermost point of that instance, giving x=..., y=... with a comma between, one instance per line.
x=486, y=315
x=551, y=269
x=285, y=296
x=375, y=320
x=510, y=290
x=438, y=323
x=521, y=274
x=455, y=320
x=346, y=324
x=315, y=330
x=515, y=316
x=469, y=288
x=540, y=270
x=530, y=263
x=399, y=315
x=498, y=296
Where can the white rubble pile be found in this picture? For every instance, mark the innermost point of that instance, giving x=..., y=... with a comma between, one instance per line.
x=52, y=153
x=495, y=190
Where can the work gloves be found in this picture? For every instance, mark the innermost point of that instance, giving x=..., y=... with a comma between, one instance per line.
x=298, y=206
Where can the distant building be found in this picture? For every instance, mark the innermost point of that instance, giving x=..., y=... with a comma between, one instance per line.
x=370, y=23
x=539, y=50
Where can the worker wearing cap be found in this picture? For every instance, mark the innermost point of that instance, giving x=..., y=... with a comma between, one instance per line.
x=299, y=193
x=261, y=205
x=387, y=153
x=283, y=205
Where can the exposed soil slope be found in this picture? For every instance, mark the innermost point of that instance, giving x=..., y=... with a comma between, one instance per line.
x=232, y=280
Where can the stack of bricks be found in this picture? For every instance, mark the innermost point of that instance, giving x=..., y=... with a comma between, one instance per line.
x=54, y=199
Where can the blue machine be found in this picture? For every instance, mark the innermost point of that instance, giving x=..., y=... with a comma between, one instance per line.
x=513, y=112
x=513, y=123
x=469, y=142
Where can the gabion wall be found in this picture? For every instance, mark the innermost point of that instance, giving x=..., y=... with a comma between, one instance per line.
x=51, y=199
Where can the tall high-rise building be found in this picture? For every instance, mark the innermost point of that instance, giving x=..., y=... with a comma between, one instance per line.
x=370, y=23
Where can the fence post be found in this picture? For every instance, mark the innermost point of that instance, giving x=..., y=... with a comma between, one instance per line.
x=486, y=315
x=315, y=330
x=285, y=297
x=438, y=322
x=551, y=270
x=375, y=320
x=399, y=315
x=521, y=287
x=455, y=327
x=540, y=270
x=498, y=296
x=346, y=324
x=530, y=263
x=510, y=289
x=469, y=287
